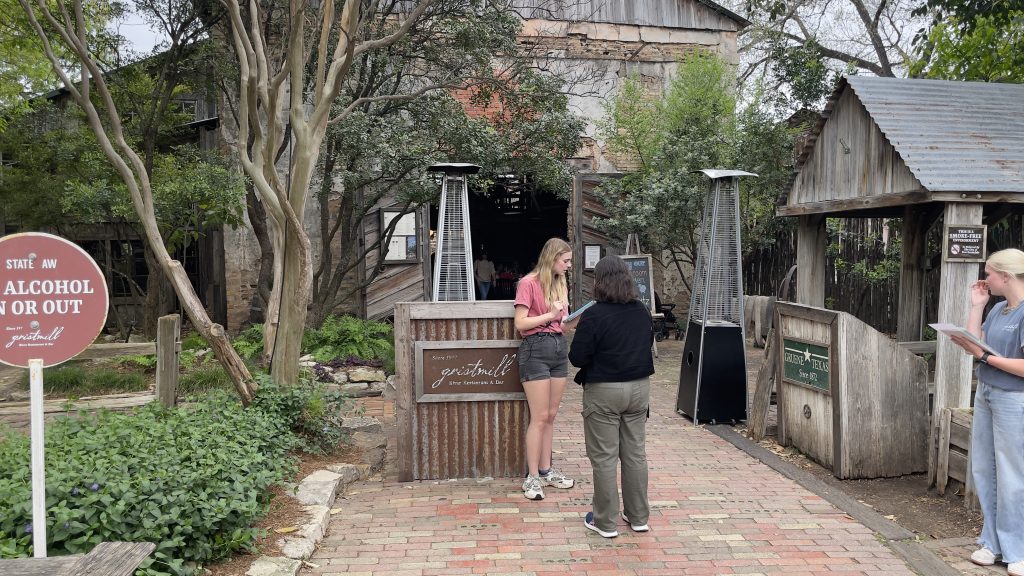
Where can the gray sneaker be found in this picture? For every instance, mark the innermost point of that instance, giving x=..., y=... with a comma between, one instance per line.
x=532, y=488
x=557, y=479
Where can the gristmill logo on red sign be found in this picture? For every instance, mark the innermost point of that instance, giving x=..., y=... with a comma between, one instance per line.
x=53, y=299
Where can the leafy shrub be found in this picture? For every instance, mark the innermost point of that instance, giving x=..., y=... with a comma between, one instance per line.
x=348, y=336
x=249, y=344
x=307, y=408
x=193, y=480
x=76, y=380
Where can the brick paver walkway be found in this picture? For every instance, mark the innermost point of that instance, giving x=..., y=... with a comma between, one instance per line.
x=715, y=510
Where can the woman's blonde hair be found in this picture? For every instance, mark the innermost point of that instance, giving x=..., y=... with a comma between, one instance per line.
x=553, y=287
x=1009, y=261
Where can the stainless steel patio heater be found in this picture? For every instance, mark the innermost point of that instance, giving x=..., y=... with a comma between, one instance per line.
x=713, y=375
x=453, y=263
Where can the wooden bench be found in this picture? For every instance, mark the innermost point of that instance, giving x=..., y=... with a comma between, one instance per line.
x=106, y=559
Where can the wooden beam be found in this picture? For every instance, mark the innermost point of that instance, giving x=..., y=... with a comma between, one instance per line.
x=852, y=204
x=810, y=261
x=915, y=228
x=952, y=366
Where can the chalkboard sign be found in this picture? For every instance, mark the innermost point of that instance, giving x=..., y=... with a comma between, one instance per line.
x=640, y=269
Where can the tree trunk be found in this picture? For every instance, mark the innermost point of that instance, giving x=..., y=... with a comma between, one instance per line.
x=287, y=344
x=258, y=221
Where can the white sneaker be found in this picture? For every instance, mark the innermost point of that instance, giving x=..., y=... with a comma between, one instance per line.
x=635, y=527
x=532, y=488
x=1015, y=569
x=589, y=523
x=985, y=557
x=557, y=479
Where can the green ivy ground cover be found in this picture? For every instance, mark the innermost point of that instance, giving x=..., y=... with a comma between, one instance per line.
x=192, y=480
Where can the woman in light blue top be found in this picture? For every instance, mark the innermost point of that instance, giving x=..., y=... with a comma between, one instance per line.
x=997, y=434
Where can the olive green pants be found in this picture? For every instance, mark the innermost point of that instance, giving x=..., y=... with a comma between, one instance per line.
x=614, y=425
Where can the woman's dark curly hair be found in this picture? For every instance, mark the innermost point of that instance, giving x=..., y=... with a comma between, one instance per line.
x=612, y=282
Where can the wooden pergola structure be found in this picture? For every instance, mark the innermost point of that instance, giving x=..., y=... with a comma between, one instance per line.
x=911, y=149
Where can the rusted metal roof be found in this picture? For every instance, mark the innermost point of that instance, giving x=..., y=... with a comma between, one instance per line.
x=953, y=136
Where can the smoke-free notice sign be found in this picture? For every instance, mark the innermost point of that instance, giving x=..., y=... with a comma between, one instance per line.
x=53, y=299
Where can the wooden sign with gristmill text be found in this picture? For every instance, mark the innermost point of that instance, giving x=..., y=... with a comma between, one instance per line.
x=468, y=370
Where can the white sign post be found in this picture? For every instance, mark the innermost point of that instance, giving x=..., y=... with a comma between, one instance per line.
x=35, y=374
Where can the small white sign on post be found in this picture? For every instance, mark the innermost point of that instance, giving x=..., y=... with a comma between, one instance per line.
x=53, y=305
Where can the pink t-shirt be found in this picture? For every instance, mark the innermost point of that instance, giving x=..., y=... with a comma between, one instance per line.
x=530, y=294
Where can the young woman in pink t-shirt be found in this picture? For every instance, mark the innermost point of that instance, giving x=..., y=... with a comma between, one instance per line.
x=541, y=304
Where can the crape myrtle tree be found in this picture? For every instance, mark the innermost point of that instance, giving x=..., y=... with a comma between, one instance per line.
x=294, y=61
x=397, y=115
x=61, y=28
x=693, y=125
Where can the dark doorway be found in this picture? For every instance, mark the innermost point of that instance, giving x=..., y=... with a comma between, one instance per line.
x=511, y=223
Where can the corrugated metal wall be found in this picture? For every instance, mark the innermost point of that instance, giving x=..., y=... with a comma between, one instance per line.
x=455, y=439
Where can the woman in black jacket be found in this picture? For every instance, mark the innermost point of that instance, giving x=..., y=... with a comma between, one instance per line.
x=612, y=348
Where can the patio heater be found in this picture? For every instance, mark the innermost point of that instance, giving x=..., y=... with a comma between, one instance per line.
x=713, y=375
x=453, y=263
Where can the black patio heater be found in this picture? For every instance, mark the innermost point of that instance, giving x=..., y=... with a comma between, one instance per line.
x=453, y=264
x=713, y=376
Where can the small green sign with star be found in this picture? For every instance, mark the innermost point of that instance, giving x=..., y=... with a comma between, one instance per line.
x=804, y=363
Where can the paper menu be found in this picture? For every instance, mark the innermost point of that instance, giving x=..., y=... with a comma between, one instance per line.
x=954, y=330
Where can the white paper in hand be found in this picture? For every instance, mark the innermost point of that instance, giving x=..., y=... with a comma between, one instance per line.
x=954, y=330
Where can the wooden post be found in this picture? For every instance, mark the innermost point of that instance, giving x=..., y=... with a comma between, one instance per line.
x=915, y=226
x=952, y=366
x=405, y=390
x=167, y=348
x=811, y=241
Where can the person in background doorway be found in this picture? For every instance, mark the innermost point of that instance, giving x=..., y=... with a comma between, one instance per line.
x=612, y=348
x=483, y=271
x=997, y=432
x=541, y=304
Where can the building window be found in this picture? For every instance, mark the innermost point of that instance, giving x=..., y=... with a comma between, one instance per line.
x=404, y=244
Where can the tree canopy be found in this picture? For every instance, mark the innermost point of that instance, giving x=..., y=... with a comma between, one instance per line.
x=693, y=125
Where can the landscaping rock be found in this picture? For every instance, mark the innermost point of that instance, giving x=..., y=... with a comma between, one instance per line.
x=274, y=566
x=138, y=339
x=340, y=377
x=374, y=446
x=302, y=547
x=352, y=388
x=363, y=374
x=361, y=424
x=318, y=488
x=306, y=358
x=349, y=473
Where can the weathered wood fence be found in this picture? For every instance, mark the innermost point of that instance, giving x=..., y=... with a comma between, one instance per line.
x=166, y=349
x=865, y=240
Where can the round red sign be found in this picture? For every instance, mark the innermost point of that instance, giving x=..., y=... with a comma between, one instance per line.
x=53, y=299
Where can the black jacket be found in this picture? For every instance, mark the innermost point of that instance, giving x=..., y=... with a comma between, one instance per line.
x=612, y=343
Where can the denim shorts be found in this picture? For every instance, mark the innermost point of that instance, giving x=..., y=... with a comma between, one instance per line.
x=542, y=356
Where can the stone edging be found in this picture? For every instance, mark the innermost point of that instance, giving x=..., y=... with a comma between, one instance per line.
x=318, y=492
